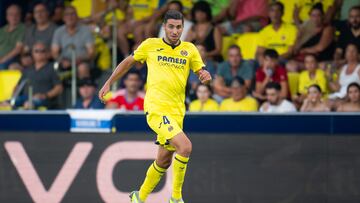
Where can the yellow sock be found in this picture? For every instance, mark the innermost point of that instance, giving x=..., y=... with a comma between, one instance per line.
x=179, y=169
x=153, y=176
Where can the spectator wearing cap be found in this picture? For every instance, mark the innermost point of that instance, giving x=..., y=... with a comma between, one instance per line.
x=278, y=35
x=271, y=71
x=89, y=99
x=72, y=36
x=204, y=102
x=43, y=79
x=235, y=66
x=274, y=102
x=43, y=29
x=130, y=98
x=11, y=36
x=239, y=100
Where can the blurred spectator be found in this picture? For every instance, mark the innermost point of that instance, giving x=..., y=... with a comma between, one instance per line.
x=46, y=85
x=303, y=8
x=312, y=75
x=349, y=73
x=271, y=71
x=239, y=100
x=70, y=36
x=278, y=35
x=42, y=30
x=234, y=66
x=345, y=7
x=352, y=102
x=57, y=16
x=173, y=5
x=349, y=31
x=315, y=37
x=274, y=102
x=247, y=16
x=203, y=101
x=11, y=36
x=138, y=15
x=83, y=70
x=218, y=6
x=204, y=32
x=26, y=60
x=313, y=101
x=88, y=97
x=210, y=65
x=130, y=99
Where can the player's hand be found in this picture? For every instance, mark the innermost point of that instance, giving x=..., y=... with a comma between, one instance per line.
x=204, y=76
x=104, y=90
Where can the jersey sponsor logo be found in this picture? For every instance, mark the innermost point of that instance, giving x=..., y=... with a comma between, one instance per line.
x=171, y=61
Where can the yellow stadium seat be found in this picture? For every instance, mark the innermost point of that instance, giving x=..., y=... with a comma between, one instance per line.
x=293, y=79
x=8, y=81
x=248, y=44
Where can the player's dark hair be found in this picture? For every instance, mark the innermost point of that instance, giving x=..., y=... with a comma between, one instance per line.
x=316, y=86
x=279, y=4
x=173, y=14
x=271, y=53
x=319, y=7
x=354, y=84
x=273, y=85
x=202, y=6
x=178, y=3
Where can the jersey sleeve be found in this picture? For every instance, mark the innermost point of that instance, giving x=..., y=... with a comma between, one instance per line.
x=141, y=53
x=196, y=62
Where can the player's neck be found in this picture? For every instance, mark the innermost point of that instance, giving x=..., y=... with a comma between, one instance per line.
x=167, y=41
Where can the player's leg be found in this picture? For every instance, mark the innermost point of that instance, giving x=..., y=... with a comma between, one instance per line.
x=156, y=170
x=183, y=149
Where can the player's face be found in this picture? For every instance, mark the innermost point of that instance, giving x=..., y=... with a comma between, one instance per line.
x=173, y=30
x=203, y=93
x=234, y=57
x=272, y=96
x=354, y=94
x=314, y=95
x=354, y=18
x=310, y=63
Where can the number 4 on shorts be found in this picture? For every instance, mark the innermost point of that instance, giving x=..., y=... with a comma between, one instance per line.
x=166, y=120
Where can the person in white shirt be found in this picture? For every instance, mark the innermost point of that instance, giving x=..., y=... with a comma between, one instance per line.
x=274, y=103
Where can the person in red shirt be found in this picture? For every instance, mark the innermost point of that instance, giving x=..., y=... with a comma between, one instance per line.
x=271, y=71
x=130, y=98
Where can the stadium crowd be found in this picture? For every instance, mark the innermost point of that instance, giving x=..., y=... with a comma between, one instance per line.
x=264, y=55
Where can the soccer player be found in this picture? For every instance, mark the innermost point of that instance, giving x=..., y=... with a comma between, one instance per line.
x=169, y=61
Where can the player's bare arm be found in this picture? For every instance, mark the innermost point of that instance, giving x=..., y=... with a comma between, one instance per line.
x=120, y=71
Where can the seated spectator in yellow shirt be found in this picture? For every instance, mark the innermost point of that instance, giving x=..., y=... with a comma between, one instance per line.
x=204, y=101
x=239, y=101
x=312, y=75
x=278, y=35
x=313, y=101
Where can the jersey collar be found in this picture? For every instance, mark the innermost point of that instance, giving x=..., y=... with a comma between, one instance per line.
x=171, y=45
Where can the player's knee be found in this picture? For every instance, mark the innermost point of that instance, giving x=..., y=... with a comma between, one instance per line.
x=185, y=149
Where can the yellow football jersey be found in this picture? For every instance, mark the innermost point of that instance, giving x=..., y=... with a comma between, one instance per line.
x=209, y=105
x=245, y=105
x=305, y=81
x=280, y=39
x=168, y=70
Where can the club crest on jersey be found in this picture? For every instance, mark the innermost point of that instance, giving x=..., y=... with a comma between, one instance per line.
x=183, y=52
